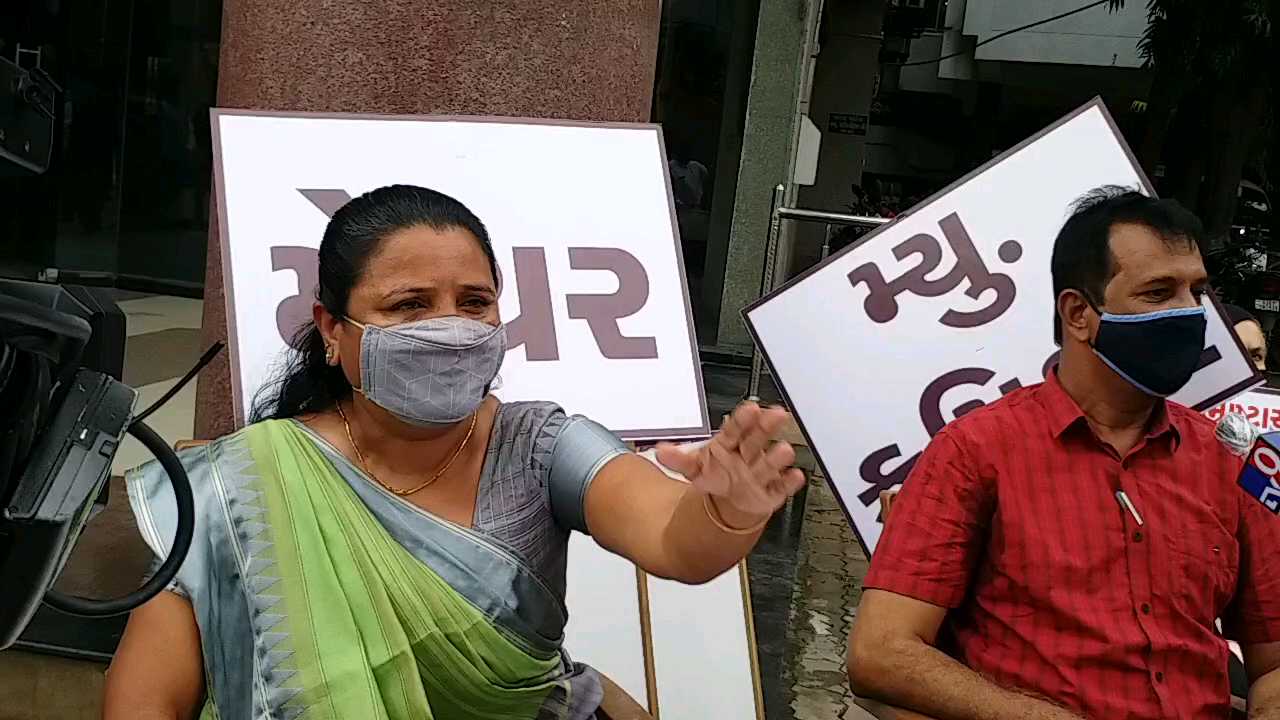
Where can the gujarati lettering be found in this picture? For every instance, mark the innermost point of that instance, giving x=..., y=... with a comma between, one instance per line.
x=881, y=304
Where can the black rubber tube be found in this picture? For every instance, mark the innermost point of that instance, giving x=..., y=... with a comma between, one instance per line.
x=204, y=360
x=84, y=607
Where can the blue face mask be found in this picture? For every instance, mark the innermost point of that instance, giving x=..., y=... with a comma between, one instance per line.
x=1156, y=352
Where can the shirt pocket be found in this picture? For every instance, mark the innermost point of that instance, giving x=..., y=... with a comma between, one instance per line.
x=1206, y=563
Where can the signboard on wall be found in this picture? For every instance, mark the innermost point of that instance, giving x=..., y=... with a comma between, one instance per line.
x=581, y=218
x=847, y=124
x=948, y=308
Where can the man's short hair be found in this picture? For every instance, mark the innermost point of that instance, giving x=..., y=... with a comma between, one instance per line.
x=1082, y=258
x=1237, y=315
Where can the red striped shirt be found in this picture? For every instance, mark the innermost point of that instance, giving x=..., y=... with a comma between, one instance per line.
x=1010, y=518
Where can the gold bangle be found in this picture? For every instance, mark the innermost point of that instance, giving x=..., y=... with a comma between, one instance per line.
x=714, y=514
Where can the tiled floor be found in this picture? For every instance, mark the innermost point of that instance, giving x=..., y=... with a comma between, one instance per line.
x=826, y=593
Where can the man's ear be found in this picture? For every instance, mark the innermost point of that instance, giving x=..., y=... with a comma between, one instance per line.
x=1073, y=313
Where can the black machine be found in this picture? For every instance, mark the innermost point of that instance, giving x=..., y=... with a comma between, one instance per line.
x=63, y=413
x=63, y=408
x=28, y=109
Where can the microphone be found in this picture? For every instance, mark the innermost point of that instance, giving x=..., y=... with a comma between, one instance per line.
x=1262, y=458
x=1237, y=433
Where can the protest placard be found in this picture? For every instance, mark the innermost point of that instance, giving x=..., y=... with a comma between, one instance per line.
x=946, y=309
x=581, y=217
x=598, y=319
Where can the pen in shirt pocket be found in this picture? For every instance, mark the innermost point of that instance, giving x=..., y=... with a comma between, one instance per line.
x=1128, y=505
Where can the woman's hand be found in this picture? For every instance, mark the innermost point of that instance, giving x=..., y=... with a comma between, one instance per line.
x=746, y=472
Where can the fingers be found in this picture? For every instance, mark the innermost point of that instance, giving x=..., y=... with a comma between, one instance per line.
x=765, y=424
x=679, y=459
x=780, y=457
x=722, y=472
x=791, y=483
x=761, y=438
x=738, y=424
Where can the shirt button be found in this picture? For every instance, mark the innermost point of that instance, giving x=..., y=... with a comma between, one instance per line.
x=1146, y=609
x=1159, y=676
x=1137, y=536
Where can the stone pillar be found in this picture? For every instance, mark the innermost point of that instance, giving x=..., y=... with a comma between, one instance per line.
x=567, y=59
x=783, y=38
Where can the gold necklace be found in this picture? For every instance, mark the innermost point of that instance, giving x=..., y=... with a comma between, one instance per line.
x=364, y=464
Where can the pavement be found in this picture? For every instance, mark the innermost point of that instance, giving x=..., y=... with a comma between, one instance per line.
x=828, y=586
x=806, y=579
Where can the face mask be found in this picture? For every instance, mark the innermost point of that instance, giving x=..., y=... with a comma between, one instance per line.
x=430, y=372
x=1156, y=352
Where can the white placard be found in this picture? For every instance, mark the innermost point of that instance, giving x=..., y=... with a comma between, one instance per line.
x=702, y=650
x=604, y=630
x=581, y=218
x=1260, y=406
x=873, y=370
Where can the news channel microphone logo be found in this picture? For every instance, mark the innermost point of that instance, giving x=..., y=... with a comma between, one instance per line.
x=1259, y=475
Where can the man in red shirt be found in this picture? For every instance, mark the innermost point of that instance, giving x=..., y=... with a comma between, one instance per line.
x=1065, y=551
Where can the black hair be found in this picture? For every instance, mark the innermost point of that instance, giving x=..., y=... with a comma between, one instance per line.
x=1237, y=315
x=307, y=382
x=1082, y=258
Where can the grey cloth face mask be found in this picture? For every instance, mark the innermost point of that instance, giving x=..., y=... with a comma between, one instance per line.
x=430, y=372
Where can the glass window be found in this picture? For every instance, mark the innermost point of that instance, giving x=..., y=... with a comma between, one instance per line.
x=125, y=200
x=705, y=51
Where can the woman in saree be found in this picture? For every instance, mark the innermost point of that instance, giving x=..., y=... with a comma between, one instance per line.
x=387, y=539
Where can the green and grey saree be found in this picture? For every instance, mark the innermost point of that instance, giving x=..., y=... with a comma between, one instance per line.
x=320, y=595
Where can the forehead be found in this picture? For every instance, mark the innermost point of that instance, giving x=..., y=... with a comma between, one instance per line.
x=1140, y=255
x=428, y=257
x=1249, y=330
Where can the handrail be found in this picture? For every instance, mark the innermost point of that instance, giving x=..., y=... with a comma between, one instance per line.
x=778, y=213
x=787, y=213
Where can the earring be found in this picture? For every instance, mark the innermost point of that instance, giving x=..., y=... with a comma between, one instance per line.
x=330, y=354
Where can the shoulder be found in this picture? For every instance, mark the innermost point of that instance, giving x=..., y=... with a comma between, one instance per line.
x=518, y=420
x=1199, y=432
x=151, y=490
x=1020, y=409
x=1190, y=421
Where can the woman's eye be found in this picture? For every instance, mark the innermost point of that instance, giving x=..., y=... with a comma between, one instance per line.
x=409, y=305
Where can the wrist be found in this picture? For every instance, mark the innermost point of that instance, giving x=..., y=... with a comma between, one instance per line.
x=723, y=513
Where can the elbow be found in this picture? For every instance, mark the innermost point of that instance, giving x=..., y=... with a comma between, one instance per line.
x=861, y=674
x=861, y=678
x=701, y=577
x=691, y=575
x=865, y=663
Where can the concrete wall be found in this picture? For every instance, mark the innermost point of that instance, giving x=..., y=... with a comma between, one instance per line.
x=843, y=83
x=784, y=34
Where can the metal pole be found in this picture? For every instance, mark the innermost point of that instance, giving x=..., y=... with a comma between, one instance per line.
x=766, y=281
x=787, y=213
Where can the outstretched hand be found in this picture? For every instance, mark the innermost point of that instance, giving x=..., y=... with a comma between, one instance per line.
x=747, y=472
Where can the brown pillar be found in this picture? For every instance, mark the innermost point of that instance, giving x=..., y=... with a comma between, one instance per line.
x=568, y=59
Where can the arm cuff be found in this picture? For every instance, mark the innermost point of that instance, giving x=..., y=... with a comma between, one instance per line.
x=582, y=448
